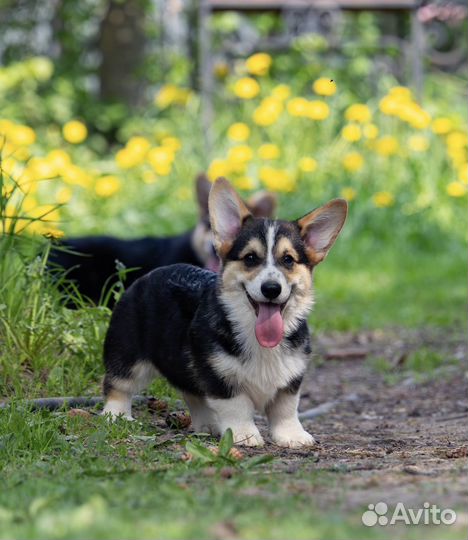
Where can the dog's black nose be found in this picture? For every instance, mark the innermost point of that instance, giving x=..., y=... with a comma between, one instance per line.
x=271, y=289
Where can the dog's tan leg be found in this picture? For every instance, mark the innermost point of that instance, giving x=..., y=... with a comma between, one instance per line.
x=237, y=413
x=118, y=404
x=285, y=428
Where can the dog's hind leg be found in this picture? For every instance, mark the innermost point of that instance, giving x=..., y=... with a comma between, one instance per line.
x=118, y=391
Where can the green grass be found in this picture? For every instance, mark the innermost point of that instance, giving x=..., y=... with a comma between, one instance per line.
x=71, y=478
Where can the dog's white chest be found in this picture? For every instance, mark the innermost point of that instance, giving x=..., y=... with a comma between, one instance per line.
x=262, y=374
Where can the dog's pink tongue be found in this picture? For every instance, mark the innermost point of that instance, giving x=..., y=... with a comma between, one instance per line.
x=269, y=326
x=213, y=264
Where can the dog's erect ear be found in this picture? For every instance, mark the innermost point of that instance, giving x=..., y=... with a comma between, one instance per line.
x=263, y=204
x=203, y=186
x=320, y=228
x=227, y=213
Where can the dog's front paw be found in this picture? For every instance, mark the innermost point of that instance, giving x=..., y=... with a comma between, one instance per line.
x=295, y=437
x=247, y=437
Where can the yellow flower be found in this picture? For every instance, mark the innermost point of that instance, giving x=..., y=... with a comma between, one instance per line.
x=45, y=213
x=74, y=132
x=277, y=179
x=161, y=158
x=370, y=131
x=172, y=142
x=457, y=140
x=246, y=88
x=268, y=112
x=281, y=92
x=218, y=167
x=401, y=92
x=221, y=69
x=307, y=164
x=22, y=135
x=383, y=199
x=244, y=182
x=389, y=105
x=258, y=64
x=138, y=146
x=297, y=106
x=348, y=193
x=170, y=94
x=41, y=169
x=126, y=159
x=317, y=110
x=353, y=161
x=358, y=112
x=240, y=154
x=58, y=159
x=106, y=186
x=269, y=151
x=441, y=126
x=324, y=86
x=463, y=173
x=456, y=189
x=77, y=176
x=238, y=132
x=63, y=195
x=418, y=143
x=351, y=132
x=387, y=145
x=29, y=203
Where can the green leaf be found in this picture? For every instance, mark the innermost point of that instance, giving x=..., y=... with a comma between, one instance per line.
x=199, y=451
x=226, y=442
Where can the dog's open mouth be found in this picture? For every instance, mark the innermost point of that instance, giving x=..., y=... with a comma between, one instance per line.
x=269, y=326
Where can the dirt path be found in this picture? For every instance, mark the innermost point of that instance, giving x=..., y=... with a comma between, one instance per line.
x=402, y=439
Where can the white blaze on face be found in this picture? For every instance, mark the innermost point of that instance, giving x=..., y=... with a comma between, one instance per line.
x=269, y=272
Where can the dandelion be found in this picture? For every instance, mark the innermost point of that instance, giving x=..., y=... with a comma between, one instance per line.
x=418, y=143
x=218, y=167
x=126, y=159
x=22, y=135
x=457, y=140
x=161, y=158
x=41, y=169
x=307, y=164
x=77, y=176
x=138, y=146
x=387, y=145
x=246, y=88
x=63, y=195
x=268, y=112
x=297, y=106
x=351, y=132
x=317, y=110
x=383, y=199
x=245, y=183
x=240, y=154
x=58, y=159
x=258, y=64
x=353, y=161
x=173, y=143
x=370, y=131
x=269, y=151
x=456, y=189
x=238, y=132
x=348, y=193
x=277, y=179
x=170, y=94
x=106, y=186
x=358, y=112
x=400, y=92
x=441, y=125
x=324, y=86
x=281, y=92
x=74, y=132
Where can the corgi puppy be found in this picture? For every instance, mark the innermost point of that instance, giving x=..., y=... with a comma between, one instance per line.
x=233, y=342
x=90, y=261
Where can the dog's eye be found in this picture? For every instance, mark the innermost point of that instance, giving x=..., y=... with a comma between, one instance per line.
x=251, y=259
x=288, y=261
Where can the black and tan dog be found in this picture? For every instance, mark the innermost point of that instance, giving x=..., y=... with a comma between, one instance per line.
x=90, y=261
x=232, y=342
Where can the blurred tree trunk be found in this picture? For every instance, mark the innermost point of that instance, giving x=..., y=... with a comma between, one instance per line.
x=122, y=48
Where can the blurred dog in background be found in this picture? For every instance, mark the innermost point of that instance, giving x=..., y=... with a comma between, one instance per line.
x=91, y=262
